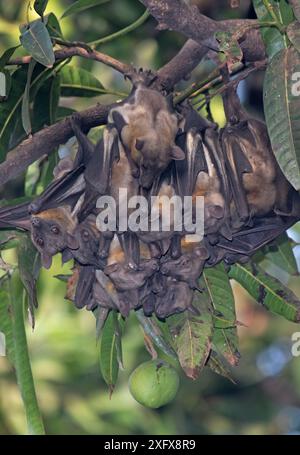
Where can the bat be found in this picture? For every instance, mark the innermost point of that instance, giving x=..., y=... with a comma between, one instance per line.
x=257, y=183
x=52, y=217
x=147, y=126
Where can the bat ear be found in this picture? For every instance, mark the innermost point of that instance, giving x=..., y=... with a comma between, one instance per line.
x=177, y=154
x=46, y=260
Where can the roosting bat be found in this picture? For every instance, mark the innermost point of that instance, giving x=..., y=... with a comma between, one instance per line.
x=258, y=185
x=147, y=125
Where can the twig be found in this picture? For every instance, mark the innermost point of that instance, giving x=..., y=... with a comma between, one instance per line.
x=122, y=32
x=62, y=54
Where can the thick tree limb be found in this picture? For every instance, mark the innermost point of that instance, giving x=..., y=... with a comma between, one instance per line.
x=44, y=142
x=181, y=17
x=181, y=65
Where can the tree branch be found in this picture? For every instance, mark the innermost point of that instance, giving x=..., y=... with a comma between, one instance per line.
x=46, y=140
x=181, y=65
x=76, y=51
x=181, y=17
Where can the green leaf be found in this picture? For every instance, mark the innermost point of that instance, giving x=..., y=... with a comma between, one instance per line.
x=6, y=321
x=53, y=26
x=45, y=107
x=191, y=334
x=26, y=120
x=10, y=110
x=79, y=82
x=82, y=5
x=8, y=240
x=109, y=352
x=267, y=290
x=5, y=57
x=36, y=40
x=29, y=268
x=282, y=112
x=40, y=6
x=152, y=328
x=293, y=33
x=215, y=364
x=282, y=255
x=230, y=47
x=272, y=37
x=225, y=336
x=21, y=358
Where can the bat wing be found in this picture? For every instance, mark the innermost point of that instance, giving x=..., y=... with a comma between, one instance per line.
x=64, y=191
x=15, y=217
x=248, y=241
x=84, y=286
x=98, y=170
x=187, y=170
x=236, y=165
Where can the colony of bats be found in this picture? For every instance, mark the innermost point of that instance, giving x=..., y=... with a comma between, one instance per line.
x=150, y=148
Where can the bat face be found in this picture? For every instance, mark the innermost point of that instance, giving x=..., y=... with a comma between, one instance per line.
x=188, y=267
x=52, y=232
x=125, y=278
x=177, y=297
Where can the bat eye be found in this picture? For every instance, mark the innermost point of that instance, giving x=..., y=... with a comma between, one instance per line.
x=40, y=242
x=55, y=230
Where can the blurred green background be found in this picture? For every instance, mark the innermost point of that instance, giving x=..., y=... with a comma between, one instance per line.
x=72, y=395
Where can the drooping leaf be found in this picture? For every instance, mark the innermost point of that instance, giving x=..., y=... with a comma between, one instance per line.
x=225, y=336
x=53, y=26
x=81, y=5
x=272, y=37
x=5, y=57
x=293, y=33
x=79, y=82
x=282, y=255
x=45, y=105
x=21, y=357
x=26, y=120
x=267, y=290
x=282, y=111
x=40, y=6
x=109, y=362
x=6, y=321
x=216, y=364
x=29, y=267
x=36, y=40
x=10, y=110
x=192, y=333
x=152, y=329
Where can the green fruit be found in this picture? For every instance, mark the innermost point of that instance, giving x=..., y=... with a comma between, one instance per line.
x=154, y=383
